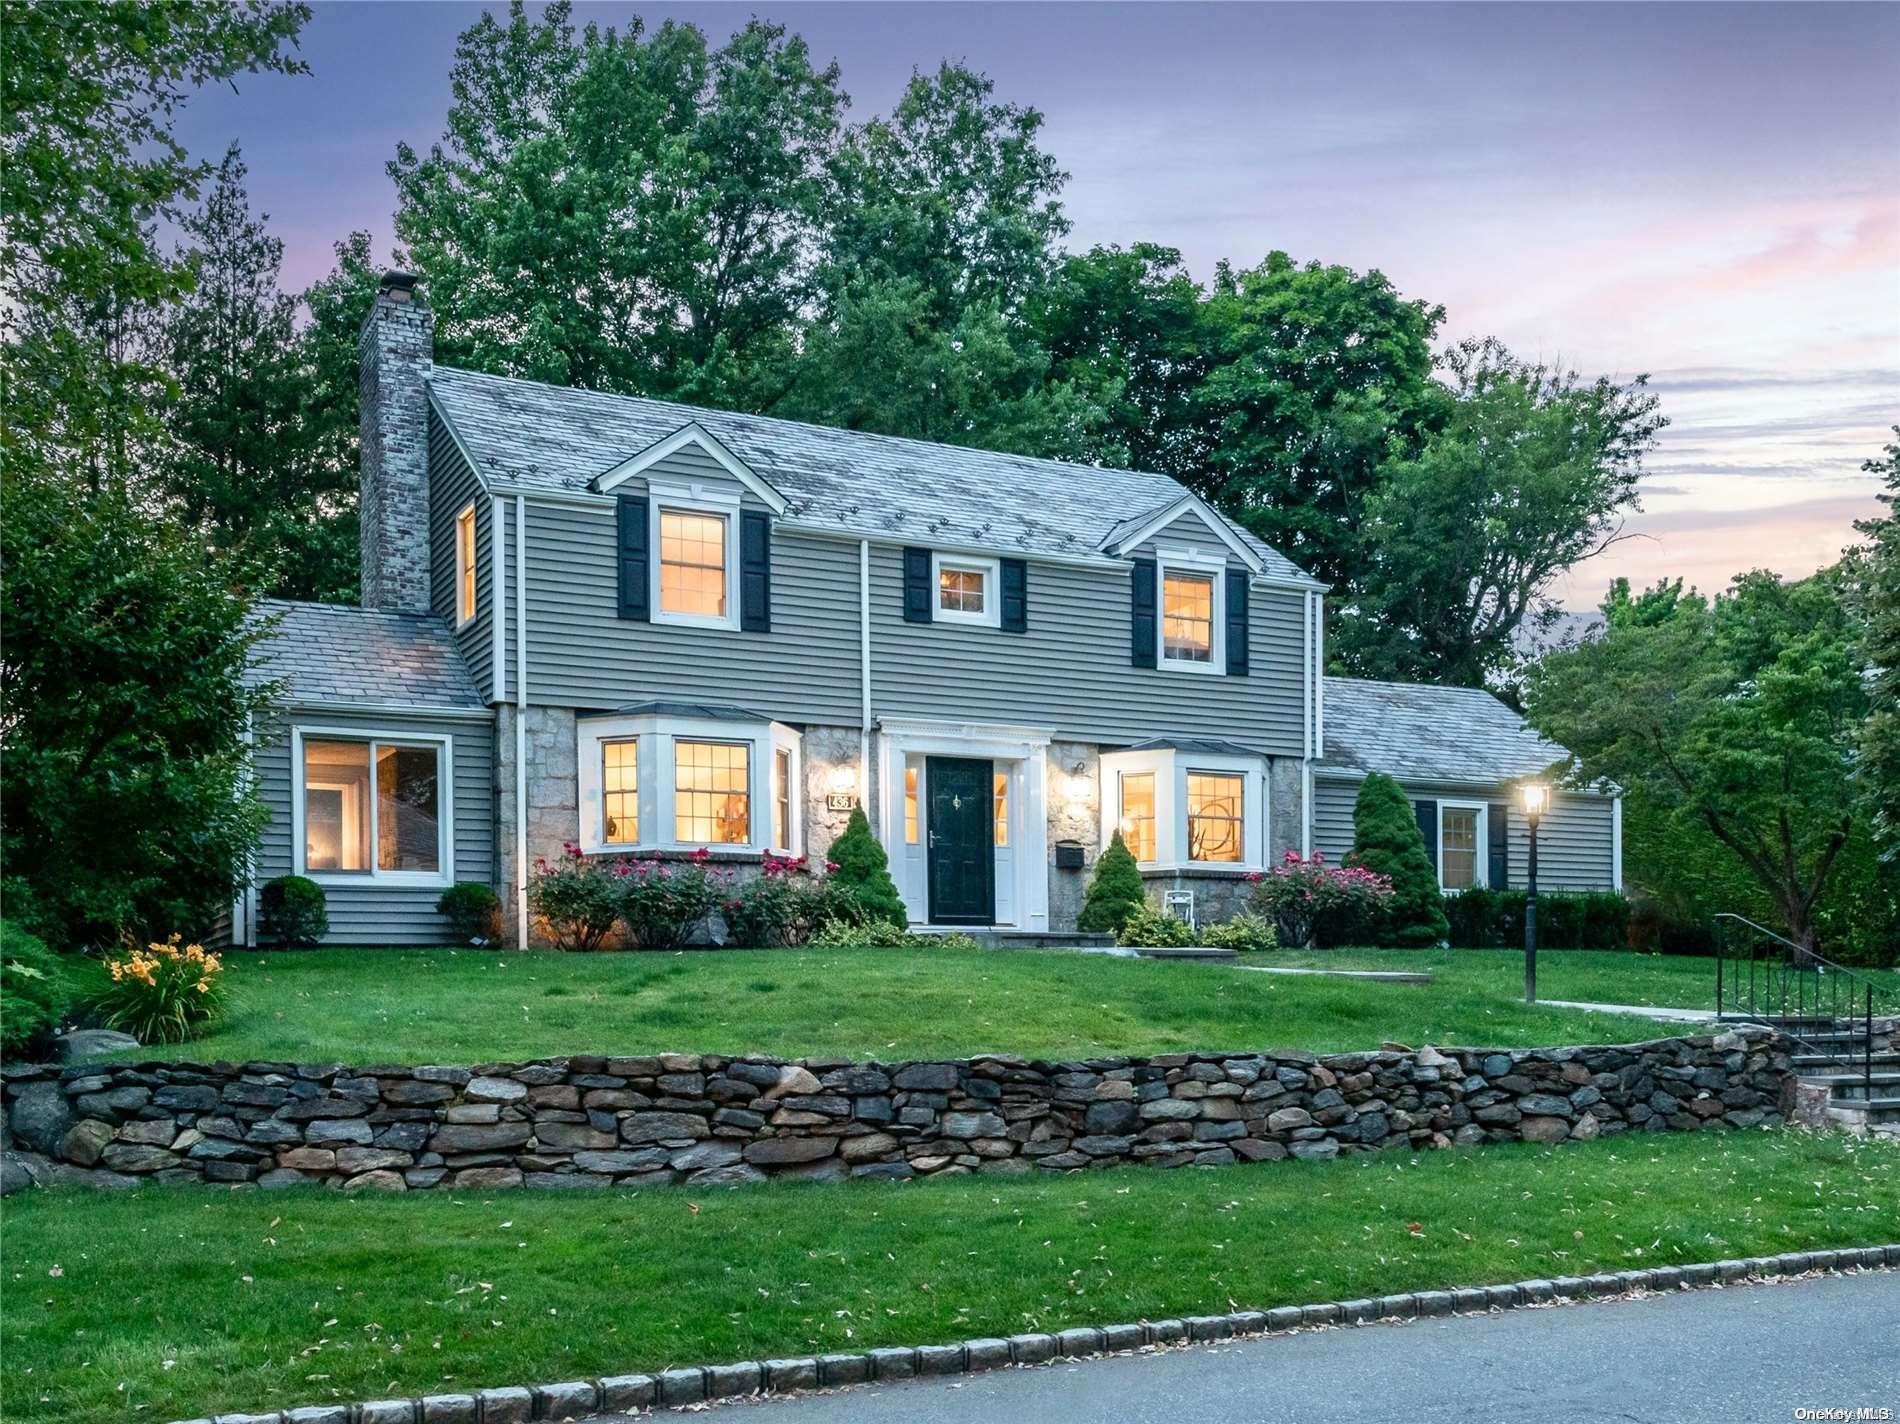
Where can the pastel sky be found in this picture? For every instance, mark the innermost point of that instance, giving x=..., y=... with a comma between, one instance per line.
x=1706, y=193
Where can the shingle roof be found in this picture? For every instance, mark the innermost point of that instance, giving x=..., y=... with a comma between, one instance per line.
x=710, y=711
x=1418, y=733
x=333, y=652
x=1202, y=746
x=523, y=433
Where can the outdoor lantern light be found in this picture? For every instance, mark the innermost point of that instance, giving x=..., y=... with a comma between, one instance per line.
x=842, y=779
x=1534, y=796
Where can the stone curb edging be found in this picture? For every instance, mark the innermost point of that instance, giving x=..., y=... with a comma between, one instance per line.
x=620, y=1394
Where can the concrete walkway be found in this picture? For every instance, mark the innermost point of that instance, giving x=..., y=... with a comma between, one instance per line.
x=1743, y=1353
x=1646, y=1011
x=1376, y=976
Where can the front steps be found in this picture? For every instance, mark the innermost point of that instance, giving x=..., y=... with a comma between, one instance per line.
x=1831, y=1087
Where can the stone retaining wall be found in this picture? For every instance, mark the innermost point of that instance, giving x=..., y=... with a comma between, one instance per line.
x=707, y=1119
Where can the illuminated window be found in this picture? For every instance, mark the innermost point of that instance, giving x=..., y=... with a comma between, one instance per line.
x=620, y=793
x=1138, y=813
x=465, y=565
x=359, y=795
x=692, y=563
x=1457, y=846
x=336, y=805
x=712, y=801
x=1187, y=618
x=1215, y=818
x=960, y=591
x=910, y=805
x=782, y=798
x=966, y=590
x=999, y=798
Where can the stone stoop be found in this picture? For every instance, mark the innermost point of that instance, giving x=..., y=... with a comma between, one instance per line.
x=1830, y=1093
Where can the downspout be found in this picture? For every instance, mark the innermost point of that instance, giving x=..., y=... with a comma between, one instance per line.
x=521, y=728
x=1616, y=843
x=1308, y=711
x=864, y=676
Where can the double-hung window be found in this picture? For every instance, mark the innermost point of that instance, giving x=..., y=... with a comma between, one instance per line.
x=620, y=792
x=693, y=563
x=1193, y=610
x=1137, y=821
x=712, y=793
x=372, y=806
x=1461, y=844
x=966, y=590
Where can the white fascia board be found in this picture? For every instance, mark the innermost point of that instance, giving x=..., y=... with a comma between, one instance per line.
x=1190, y=503
x=694, y=433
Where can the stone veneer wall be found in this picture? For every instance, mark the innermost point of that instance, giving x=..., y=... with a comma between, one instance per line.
x=594, y=1121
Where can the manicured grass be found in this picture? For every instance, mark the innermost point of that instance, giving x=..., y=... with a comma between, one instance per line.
x=1581, y=976
x=465, y=1006
x=173, y=1303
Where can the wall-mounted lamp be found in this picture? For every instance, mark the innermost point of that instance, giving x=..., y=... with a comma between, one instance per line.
x=842, y=780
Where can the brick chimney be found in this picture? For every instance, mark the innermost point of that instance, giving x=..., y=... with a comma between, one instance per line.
x=394, y=353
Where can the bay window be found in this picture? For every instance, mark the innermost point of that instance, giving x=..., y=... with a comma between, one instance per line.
x=656, y=781
x=370, y=805
x=1196, y=804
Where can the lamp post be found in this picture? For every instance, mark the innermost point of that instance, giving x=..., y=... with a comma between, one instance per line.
x=1535, y=798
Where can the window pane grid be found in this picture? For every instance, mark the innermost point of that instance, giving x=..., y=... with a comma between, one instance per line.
x=1000, y=807
x=692, y=563
x=960, y=590
x=1187, y=617
x=1215, y=816
x=1458, y=846
x=620, y=792
x=1138, y=814
x=782, y=802
x=910, y=805
x=712, y=804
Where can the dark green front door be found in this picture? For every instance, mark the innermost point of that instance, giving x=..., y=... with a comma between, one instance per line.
x=962, y=858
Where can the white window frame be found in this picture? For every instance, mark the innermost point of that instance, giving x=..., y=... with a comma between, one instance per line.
x=1170, y=767
x=444, y=746
x=693, y=499
x=990, y=569
x=1197, y=566
x=465, y=581
x=657, y=738
x=1481, y=858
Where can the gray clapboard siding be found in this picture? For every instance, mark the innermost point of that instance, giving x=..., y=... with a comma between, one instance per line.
x=580, y=654
x=1071, y=669
x=452, y=485
x=1575, y=843
x=371, y=914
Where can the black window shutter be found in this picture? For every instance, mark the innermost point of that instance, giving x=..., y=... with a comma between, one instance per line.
x=1237, y=581
x=1142, y=613
x=1498, y=819
x=917, y=585
x=755, y=572
x=635, y=587
x=1427, y=813
x=1015, y=596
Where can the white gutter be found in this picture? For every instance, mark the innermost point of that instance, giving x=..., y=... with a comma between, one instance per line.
x=497, y=581
x=1616, y=844
x=521, y=729
x=864, y=672
x=1319, y=675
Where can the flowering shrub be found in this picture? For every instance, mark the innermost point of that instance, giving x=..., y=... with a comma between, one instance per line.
x=1311, y=902
x=163, y=993
x=784, y=904
x=659, y=900
x=577, y=898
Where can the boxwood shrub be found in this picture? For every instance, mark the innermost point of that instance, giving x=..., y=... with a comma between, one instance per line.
x=1482, y=918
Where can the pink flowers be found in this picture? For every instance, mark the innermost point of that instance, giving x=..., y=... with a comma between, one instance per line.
x=1311, y=900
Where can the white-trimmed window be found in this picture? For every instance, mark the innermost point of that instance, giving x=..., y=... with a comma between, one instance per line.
x=1176, y=809
x=999, y=807
x=1137, y=819
x=1216, y=816
x=1193, y=614
x=656, y=782
x=910, y=805
x=695, y=539
x=967, y=590
x=465, y=565
x=1463, y=845
x=371, y=806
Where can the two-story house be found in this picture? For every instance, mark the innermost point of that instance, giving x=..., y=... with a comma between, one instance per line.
x=648, y=628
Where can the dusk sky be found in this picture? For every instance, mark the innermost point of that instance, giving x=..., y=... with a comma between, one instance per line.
x=1707, y=193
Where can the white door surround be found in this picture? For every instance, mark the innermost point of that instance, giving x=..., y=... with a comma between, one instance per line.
x=1024, y=863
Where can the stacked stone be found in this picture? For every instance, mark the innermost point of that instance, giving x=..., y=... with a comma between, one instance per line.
x=708, y=1119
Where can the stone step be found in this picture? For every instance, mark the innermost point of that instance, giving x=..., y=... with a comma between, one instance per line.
x=1205, y=953
x=1829, y=1063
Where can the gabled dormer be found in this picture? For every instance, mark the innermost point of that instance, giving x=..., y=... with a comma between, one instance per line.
x=1190, y=576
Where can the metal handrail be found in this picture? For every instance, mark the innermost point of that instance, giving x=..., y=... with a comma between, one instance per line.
x=1848, y=1003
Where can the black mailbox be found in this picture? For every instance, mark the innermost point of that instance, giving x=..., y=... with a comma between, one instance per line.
x=1069, y=855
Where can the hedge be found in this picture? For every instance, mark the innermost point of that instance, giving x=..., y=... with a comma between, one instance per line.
x=1494, y=919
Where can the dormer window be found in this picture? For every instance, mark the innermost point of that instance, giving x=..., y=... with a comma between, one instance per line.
x=1193, y=613
x=966, y=590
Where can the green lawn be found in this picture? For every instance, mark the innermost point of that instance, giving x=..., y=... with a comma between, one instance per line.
x=172, y=1303
x=465, y=1006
